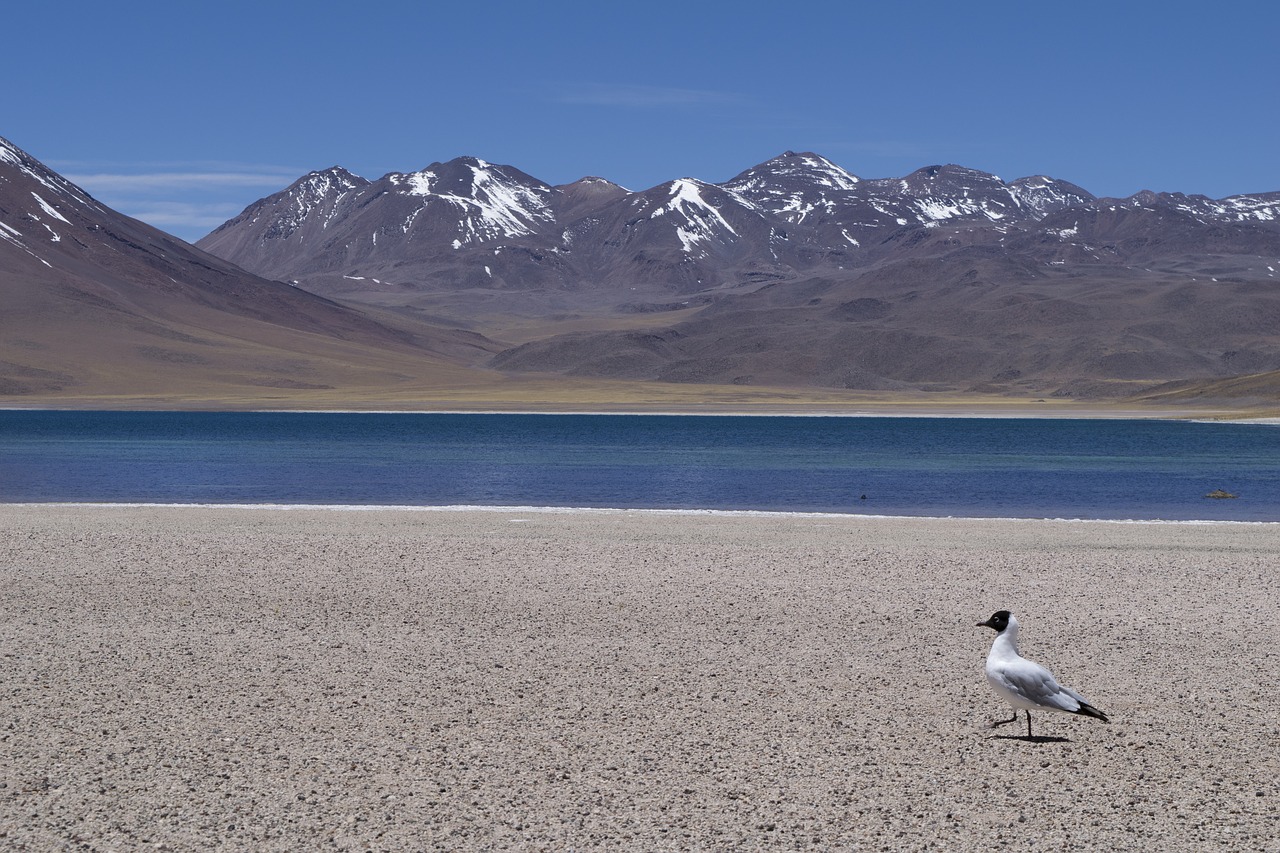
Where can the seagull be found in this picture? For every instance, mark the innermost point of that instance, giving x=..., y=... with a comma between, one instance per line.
x=1024, y=683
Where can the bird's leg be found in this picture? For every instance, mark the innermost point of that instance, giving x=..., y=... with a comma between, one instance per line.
x=1028, y=723
x=1012, y=719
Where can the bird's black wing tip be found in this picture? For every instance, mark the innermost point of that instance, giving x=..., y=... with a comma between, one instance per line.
x=1090, y=711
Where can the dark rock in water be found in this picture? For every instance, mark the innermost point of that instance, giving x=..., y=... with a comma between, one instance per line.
x=1220, y=493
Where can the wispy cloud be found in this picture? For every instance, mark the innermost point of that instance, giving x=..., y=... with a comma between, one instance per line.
x=149, y=182
x=643, y=97
x=184, y=216
x=187, y=199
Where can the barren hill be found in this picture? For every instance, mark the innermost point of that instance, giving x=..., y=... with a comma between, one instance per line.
x=98, y=306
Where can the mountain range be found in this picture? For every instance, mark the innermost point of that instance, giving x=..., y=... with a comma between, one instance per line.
x=794, y=274
x=797, y=272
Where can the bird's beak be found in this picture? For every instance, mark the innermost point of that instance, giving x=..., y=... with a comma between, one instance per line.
x=986, y=624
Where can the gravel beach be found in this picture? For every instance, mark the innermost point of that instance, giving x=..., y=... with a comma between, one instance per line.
x=178, y=678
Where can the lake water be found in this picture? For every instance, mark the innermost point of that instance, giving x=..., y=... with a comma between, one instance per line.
x=1034, y=468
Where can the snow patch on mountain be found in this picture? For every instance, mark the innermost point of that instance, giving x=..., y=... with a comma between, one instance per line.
x=828, y=174
x=1258, y=208
x=938, y=209
x=1263, y=207
x=513, y=209
x=701, y=222
x=595, y=182
x=492, y=205
x=419, y=182
x=14, y=236
x=796, y=209
x=48, y=208
x=316, y=194
x=32, y=168
x=795, y=186
x=789, y=170
x=1041, y=195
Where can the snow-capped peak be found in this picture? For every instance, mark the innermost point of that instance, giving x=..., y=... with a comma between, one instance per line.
x=1260, y=208
x=37, y=171
x=8, y=153
x=315, y=188
x=331, y=180
x=315, y=197
x=593, y=182
x=817, y=169
x=1042, y=195
x=40, y=207
x=791, y=173
x=795, y=185
x=495, y=201
x=685, y=196
x=419, y=183
x=697, y=220
x=939, y=193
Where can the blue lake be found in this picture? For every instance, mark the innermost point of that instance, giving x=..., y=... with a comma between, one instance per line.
x=1034, y=468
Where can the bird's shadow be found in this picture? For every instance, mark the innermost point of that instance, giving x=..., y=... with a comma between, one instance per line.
x=1031, y=738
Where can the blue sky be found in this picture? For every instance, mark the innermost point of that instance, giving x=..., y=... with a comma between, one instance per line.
x=183, y=114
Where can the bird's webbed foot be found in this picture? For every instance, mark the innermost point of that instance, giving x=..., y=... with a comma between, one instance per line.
x=999, y=723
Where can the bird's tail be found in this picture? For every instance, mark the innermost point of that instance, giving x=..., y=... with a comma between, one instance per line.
x=1087, y=710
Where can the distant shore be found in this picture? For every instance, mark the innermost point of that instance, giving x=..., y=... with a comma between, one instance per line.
x=862, y=409
x=279, y=680
x=487, y=392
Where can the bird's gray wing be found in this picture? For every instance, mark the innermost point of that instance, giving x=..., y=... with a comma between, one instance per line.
x=1037, y=684
x=1074, y=694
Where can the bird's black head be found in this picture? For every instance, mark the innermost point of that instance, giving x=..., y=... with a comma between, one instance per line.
x=999, y=620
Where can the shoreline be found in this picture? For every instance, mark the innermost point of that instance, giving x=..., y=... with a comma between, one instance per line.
x=576, y=510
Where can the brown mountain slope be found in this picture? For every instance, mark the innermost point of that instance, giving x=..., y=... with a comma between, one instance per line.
x=98, y=305
x=972, y=321
x=1257, y=391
